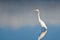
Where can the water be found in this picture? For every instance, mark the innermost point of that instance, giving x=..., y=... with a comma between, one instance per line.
x=29, y=33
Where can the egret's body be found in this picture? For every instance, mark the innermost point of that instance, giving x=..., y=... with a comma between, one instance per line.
x=43, y=25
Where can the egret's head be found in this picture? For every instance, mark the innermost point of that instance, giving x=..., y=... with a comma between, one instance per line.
x=37, y=10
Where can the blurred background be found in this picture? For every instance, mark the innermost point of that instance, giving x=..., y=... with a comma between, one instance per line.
x=19, y=22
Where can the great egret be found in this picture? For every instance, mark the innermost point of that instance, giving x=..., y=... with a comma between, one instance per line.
x=43, y=25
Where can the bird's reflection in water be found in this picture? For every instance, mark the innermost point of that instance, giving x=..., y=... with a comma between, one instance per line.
x=43, y=25
x=42, y=34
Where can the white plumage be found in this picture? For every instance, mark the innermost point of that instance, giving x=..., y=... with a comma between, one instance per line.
x=41, y=21
x=43, y=25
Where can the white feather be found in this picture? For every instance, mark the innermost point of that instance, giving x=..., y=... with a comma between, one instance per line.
x=41, y=21
x=43, y=25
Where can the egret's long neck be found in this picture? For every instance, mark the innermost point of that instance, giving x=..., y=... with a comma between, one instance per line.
x=39, y=16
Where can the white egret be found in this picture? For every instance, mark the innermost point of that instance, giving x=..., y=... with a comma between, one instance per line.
x=43, y=25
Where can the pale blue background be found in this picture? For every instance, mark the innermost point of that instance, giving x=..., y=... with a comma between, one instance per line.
x=50, y=10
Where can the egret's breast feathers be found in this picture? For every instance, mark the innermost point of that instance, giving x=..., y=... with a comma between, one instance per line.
x=42, y=24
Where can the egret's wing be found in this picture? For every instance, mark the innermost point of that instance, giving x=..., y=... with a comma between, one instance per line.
x=42, y=24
